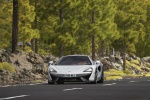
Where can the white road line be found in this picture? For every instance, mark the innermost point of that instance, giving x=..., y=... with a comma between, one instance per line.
x=5, y=86
x=72, y=89
x=128, y=78
x=109, y=84
x=21, y=85
x=13, y=97
x=133, y=81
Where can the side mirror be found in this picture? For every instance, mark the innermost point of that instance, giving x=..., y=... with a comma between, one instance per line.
x=50, y=63
x=98, y=62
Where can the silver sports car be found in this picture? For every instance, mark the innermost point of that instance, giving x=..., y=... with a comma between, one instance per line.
x=75, y=68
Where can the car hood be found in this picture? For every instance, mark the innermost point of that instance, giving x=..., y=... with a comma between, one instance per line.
x=71, y=68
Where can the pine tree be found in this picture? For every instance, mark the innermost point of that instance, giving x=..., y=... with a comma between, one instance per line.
x=143, y=45
x=15, y=26
x=104, y=27
x=5, y=23
x=26, y=18
x=129, y=18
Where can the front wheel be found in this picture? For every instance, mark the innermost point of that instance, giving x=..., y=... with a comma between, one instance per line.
x=60, y=82
x=102, y=78
x=50, y=82
x=95, y=79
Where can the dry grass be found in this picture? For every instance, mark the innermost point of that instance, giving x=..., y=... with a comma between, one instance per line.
x=7, y=66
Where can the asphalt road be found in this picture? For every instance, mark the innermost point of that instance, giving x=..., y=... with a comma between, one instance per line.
x=126, y=89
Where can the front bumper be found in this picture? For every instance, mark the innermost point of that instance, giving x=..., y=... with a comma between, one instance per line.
x=84, y=77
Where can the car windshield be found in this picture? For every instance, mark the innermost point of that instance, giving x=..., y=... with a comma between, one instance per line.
x=74, y=60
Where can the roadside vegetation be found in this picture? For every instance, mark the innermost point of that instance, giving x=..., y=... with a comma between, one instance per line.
x=7, y=66
x=133, y=69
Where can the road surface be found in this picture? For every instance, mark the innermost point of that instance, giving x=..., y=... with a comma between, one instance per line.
x=125, y=89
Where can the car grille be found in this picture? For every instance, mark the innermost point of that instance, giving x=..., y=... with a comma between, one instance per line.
x=70, y=79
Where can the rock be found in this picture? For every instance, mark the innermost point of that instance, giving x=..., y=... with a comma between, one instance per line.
x=5, y=77
x=47, y=59
x=37, y=76
x=0, y=58
x=146, y=64
x=34, y=58
x=139, y=59
x=145, y=59
x=117, y=66
x=106, y=63
x=119, y=60
x=145, y=69
x=4, y=56
x=1, y=70
x=112, y=58
x=20, y=62
x=39, y=68
x=116, y=59
x=129, y=58
x=26, y=66
x=133, y=56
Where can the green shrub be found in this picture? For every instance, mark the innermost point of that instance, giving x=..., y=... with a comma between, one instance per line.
x=113, y=72
x=7, y=66
x=43, y=52
x=113, y=78
x=135, y=62
x=127, y=71
x=1, y=67
x=28, y=49
x=147, y=75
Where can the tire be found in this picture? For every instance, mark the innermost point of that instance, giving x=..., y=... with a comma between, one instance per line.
x=95, y=79
x=102, y=78
x=50, y=82
x=60, y=82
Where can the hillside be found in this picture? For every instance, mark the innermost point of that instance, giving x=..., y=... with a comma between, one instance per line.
x=26, y=68
x=22, y=68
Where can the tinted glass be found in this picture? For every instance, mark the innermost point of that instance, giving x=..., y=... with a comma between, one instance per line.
x=74, y=60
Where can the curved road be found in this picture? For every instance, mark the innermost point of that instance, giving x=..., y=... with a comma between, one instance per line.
x=125, y=89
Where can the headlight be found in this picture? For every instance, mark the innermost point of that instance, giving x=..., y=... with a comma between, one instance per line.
x=88, y=70
x=52, y=70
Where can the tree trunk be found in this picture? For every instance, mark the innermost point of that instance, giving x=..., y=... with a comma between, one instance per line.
x=93, y=39
x=93, y=47
x=61, y=22
x=36, y=45
x=102, y=48
x=35, y=26
x=32, y=44
x=124, y=56
x=15, y=26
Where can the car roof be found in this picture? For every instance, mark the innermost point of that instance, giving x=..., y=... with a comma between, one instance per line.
x=76, y=55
